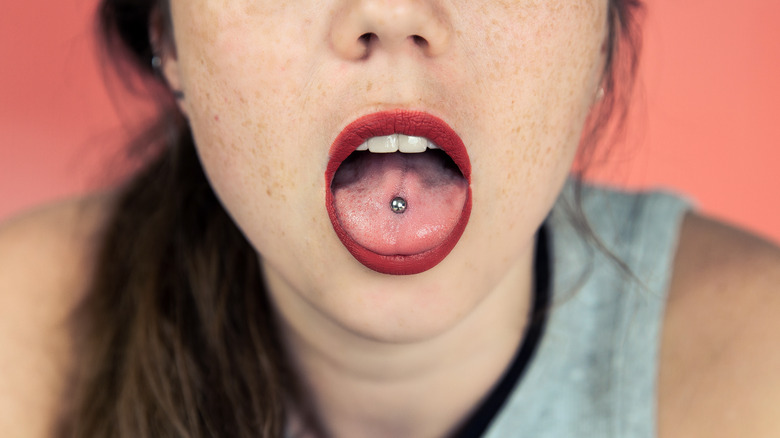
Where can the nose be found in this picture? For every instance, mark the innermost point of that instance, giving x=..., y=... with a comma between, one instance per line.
x=361, y=27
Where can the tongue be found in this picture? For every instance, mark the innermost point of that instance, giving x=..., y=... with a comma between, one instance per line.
x=366, y=184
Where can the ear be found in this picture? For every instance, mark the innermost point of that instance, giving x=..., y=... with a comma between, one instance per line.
x=170, y=73
x=165, y=59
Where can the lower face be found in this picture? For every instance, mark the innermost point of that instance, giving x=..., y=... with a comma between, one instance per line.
x=269, y=92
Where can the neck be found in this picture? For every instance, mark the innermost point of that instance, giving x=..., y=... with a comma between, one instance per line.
x=364, y=387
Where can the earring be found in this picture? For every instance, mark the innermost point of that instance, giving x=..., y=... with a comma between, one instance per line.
x=157, y=67
x=600, y=94
x=156, y=63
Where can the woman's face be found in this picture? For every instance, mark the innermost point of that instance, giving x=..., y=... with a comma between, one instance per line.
x=270, y=85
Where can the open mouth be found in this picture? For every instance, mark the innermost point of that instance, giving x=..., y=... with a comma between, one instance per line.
x=399, y=192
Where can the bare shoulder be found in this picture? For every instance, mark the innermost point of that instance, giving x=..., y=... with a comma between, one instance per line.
x=45, y=250
x=45, y=259
x=720, y=361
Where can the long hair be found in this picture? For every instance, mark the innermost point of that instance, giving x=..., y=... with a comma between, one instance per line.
x=176, y=336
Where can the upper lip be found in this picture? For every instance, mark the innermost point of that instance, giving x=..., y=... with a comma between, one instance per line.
x=409, y=122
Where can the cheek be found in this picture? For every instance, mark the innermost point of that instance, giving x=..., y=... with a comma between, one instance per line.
x=539, y=92
x=243, y=114
x=239, y=148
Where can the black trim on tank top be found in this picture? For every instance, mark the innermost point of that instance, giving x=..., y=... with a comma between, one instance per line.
x=481, y=418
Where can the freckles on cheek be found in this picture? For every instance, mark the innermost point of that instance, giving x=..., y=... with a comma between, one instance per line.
x=241, y=148
x=243, y=169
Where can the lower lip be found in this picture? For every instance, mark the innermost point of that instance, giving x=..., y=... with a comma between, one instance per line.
x=414, y=123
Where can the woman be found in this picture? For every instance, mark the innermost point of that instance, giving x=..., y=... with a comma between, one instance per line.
x=285, y=281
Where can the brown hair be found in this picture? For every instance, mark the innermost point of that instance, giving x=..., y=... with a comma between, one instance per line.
x=176, y=337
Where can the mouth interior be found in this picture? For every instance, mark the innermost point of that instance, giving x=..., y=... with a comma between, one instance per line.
x=430, y=183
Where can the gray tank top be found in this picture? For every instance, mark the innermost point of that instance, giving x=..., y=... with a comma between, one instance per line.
x=595, y=369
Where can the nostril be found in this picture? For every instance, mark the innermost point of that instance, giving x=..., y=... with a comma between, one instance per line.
x=365, y=42
x=420, y=41
x=367, y=38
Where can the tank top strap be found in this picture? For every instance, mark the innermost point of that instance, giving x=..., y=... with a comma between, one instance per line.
x=595, y=371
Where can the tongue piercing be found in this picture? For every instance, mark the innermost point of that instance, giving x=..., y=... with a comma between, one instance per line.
x=398, y=205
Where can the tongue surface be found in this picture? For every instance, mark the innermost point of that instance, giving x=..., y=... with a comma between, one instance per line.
x=366, y=183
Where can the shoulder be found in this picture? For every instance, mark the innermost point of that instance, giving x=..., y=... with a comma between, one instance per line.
x=45, y=249
x=44, y=270
x=719, y=357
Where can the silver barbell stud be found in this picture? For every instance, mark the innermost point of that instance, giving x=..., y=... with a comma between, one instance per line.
x=398, y=205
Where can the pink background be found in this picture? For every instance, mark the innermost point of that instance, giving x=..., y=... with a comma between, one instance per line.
x=708, y=124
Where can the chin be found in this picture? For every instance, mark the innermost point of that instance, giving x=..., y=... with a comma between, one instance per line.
x=415, y=316
x=407, y=308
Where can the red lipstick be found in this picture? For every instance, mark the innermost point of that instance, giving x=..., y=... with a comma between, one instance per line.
x=411, y=123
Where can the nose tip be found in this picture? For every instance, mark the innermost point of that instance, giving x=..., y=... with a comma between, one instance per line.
x=364, y=26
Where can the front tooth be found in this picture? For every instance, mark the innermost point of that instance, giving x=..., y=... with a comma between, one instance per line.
x=384, y=145
x=363, y=146
x=432, y=145
x=411, y=144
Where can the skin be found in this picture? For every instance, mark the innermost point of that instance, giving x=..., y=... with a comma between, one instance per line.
x=268, y=87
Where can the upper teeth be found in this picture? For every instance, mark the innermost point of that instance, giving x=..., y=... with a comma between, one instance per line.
x=397, y=142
